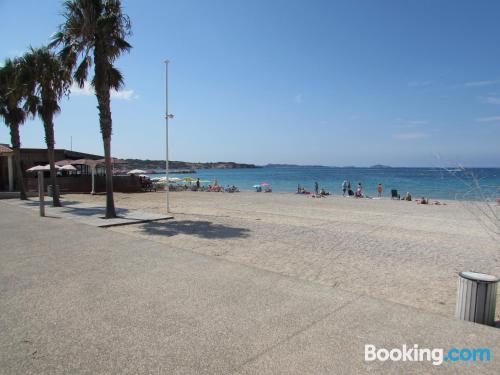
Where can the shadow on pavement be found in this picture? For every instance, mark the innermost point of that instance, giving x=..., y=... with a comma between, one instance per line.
x=71, y=207
x=202, y=229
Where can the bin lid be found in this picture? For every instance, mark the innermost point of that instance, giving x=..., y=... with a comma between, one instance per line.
x=477, y=276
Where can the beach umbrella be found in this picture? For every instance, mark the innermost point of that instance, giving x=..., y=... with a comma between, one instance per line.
x=264, y=184
x=173, y=179
x=92, y=164
x=256, y=186
x=64, y=162
x=67, y=167
x=136, y=171
x=37, y=168
x=189, y=179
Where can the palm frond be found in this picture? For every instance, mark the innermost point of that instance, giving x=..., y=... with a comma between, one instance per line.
x=81, y=72
x=115, y=79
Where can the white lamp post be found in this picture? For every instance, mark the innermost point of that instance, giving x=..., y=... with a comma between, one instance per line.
x=167, y=117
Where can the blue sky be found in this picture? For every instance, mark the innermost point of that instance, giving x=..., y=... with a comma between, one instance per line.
x=404, y=83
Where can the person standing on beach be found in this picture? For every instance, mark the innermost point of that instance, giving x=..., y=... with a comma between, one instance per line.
x=198, y=184
x=379, y=189
x=344, y=187
x=316, y=187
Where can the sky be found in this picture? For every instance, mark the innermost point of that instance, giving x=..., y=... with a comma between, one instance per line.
x=401, y=83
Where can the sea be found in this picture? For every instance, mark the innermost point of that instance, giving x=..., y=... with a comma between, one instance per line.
x=435, y=183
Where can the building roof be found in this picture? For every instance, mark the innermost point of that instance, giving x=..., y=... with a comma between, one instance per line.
x=4, y=149
x=68, y=154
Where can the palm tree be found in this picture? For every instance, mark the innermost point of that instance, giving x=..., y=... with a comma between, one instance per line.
x=11, y=111
x=94, y=32
x=45, y=80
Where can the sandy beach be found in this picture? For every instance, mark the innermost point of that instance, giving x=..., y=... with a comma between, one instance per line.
x=399, y=251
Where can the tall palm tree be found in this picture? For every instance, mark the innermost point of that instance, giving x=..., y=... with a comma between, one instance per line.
x=11, y=99
x=45, y=80
x=94, y=32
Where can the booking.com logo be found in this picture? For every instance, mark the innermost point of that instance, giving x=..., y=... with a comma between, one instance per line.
x=436, y=356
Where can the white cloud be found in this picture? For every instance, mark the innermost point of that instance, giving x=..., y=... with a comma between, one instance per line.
x=482, y=83
x=410, y=136
x=123, y=94
x=419, y=83
x=488, y=119
x=491, y=99
x=88, y=90
x=404, y=123
x=298, y=98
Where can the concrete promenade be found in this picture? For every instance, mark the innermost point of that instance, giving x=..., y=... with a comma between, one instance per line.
x=79, y=299
x=90, y=214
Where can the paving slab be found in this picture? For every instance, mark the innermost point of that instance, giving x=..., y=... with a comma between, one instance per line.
x=89, y=214
x=77, y=299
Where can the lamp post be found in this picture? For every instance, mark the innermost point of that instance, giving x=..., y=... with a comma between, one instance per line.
x=167, y=117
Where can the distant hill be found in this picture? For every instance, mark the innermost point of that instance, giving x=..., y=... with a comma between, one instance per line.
x=180, y=165
x=293, y=166
x=379, y=166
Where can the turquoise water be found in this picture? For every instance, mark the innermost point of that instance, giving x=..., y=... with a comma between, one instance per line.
x=468, y=184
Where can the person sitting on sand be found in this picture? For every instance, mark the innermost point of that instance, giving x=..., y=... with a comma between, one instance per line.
x=407, y=196
x=303, y=191
x=323, y=192
x=423, y=201
x=359, y=191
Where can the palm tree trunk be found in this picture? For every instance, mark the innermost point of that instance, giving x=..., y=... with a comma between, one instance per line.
x=110, y=204
x=49, y=140
x=102, y=88
x=15, y=139
x=105, y=121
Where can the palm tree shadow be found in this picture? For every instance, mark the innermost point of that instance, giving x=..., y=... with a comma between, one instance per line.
x=71, y=207
x=201, y=229
x=93, y=211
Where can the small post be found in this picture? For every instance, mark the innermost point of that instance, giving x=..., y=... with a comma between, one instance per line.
x=41, y=193
x=92, y=172
x=10, y=172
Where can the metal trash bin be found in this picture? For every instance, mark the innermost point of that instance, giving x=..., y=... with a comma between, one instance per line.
x=49, y=190
x=476, y=300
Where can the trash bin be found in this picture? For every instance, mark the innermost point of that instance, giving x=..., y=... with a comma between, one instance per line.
x=476, y=300
x=49, y=190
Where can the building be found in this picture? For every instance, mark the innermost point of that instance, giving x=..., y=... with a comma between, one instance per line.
x=77, y=182
x=6, y=168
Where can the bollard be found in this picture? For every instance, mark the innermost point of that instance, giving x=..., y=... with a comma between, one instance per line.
x=476, y=300
x=41, y=193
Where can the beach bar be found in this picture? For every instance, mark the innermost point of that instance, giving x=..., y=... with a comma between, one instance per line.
x=78, y=181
